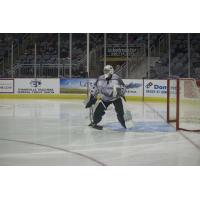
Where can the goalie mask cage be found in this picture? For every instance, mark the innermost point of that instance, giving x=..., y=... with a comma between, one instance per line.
x=183, y=104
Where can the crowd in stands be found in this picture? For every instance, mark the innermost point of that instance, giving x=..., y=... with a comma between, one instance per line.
x=179, y=57
x=6, y=41
x=47, y=50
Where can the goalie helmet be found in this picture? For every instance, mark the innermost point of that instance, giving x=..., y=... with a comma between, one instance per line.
x=108, y=70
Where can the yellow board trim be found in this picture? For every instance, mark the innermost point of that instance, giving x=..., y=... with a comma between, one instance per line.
x=155, y=99
x=43, y=96
x=72, y=96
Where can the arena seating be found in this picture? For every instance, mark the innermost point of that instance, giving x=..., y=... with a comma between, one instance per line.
x=47, y=50
x=179, y=57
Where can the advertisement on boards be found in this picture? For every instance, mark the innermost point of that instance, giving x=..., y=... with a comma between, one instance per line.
x=6, y=85
x=134, y=87
x=75, y=85
x=80, y=86
x=155, y=88
x=37, y=86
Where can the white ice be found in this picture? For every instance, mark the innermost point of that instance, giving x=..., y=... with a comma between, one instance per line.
x=56, y=132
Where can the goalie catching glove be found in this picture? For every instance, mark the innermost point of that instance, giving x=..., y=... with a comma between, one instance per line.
x=91, y=101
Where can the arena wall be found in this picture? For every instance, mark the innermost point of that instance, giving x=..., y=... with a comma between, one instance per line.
x=76, y=88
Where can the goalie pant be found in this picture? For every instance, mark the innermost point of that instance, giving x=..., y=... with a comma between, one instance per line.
x=103, y=105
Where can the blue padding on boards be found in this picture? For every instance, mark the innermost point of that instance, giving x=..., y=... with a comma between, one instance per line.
x=143, y=127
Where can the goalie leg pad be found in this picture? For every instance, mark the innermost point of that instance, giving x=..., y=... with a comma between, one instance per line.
x=100, y=111
x=120, y=111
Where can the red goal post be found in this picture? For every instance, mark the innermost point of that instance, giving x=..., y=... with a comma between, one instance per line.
x=183, y=104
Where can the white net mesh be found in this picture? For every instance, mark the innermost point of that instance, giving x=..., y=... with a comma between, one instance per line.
x=189, y=105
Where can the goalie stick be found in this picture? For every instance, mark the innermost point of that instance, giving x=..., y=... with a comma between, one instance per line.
x=91, y=113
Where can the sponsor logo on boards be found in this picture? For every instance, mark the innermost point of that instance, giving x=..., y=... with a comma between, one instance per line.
x=35, y=83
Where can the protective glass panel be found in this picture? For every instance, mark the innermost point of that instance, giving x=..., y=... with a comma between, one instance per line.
x=189, y=105
x=172, y=100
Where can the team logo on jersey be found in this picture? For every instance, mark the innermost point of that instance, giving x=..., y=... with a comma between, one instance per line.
x=35, y=83
x=149, y=85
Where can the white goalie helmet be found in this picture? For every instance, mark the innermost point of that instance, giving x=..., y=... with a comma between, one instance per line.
x=108, y=69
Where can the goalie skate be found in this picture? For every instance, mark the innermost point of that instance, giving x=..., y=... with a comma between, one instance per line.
x=98, y=127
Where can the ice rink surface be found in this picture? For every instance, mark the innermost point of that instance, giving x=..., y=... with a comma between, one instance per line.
x=56, y=132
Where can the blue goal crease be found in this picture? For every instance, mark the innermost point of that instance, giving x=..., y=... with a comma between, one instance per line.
x=143, y=127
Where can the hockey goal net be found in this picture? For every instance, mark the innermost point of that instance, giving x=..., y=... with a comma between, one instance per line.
x=183, y=104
